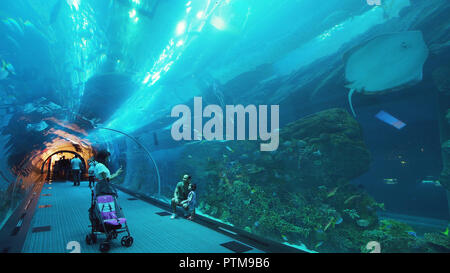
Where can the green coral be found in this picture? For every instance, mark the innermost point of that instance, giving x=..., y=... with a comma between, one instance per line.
x=352, y=213
x=438, y=241
x=301, y=192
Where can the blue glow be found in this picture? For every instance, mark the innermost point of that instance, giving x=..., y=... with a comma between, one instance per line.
x=132, y=13
x=131, y=114
x=181, y=27
x=218, y=23
x=200, y=15
x=147, y=78
x=75, y=4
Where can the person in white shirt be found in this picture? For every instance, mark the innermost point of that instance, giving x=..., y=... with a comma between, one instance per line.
x=76, y=163
x=103, y=175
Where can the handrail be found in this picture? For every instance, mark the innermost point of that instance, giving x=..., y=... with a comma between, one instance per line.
x=254, y=240
x=145, y=149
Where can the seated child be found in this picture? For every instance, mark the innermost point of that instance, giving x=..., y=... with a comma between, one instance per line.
x=191, y=202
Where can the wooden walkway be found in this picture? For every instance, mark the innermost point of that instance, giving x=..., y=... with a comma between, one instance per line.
x=62, y=217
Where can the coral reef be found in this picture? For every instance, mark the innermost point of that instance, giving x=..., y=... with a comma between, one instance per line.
x=444, y=178
x=438, y=242
x=300, y=193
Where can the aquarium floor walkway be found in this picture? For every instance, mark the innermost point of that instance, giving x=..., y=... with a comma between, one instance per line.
x=62, y=216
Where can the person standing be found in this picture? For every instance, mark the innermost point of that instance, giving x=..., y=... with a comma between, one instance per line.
x=103, y=175
x=91, y=172
x=76, y=170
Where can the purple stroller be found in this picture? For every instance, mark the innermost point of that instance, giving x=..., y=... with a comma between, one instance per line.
x=106, y=217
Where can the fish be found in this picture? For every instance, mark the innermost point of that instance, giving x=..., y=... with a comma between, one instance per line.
x=332, y=192
x=229, y=149
x=386, y=62
x=351, y=198
x=10, y=69
x=390, y=181
x=331, y=222
x=433, y=182
x=13, y=25
x=319, y=244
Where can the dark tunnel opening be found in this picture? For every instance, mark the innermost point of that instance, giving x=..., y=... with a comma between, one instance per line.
x=82, y=76
x=62, y=164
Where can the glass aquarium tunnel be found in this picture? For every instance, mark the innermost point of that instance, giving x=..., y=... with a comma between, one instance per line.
x=306, y=126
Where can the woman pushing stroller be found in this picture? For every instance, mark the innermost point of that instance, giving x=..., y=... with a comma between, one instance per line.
x=105, y=213
x=103, y=175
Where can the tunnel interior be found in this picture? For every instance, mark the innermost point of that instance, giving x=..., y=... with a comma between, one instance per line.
x=82, y=76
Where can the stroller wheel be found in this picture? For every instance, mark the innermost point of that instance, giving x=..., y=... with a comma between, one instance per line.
x=126, y=241
x=88, y=239
x=91, y=239
x=104, y=247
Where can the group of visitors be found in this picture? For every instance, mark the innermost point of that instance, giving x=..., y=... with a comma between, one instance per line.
x=61, y=169
x=184, y=195
x=97, y=170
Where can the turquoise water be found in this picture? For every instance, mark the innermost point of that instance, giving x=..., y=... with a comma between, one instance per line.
x=78, y=76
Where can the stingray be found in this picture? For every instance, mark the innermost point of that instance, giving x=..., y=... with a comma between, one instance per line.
x=385, y=63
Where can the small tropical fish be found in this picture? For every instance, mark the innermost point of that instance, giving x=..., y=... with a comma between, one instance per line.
x=317, y=153
x=340, y=220
x=412, y=233
x=331, y=222
x=432, y=182
x=229, y=149
x=390, y=181
x=189, y=156
x=319, y=244
x=284, y=237
x=332, y=192
x=351, y=198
